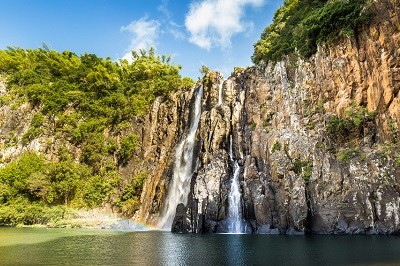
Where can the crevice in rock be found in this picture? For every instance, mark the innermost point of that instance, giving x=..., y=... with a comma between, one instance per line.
x=309, y=218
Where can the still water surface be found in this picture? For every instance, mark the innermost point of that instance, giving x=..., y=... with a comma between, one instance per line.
x=102, y=247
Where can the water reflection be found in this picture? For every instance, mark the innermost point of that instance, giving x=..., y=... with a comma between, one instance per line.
x=174, y=249
x=162, y=248
x=235, y=249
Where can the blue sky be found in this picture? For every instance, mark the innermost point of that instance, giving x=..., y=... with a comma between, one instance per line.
x=217, y=33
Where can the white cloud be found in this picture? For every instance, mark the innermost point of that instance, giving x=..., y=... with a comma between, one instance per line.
x=176, y=33
x=163, y=8
x=171, y=26
x=144, y=33
x=176, y=30
x=214, y=22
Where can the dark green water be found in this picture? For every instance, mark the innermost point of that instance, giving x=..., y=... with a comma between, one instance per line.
x=26, y=246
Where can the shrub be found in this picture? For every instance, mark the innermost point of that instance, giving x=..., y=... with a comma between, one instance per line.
x=303, y=168
x=355, y=117
x=16, y=174
x=127, y=147
x=129, y=201
x=347, y=154
x=26, y=213
x=100, y=188
x=34, y=130
x=276, y=147
x=397, y=159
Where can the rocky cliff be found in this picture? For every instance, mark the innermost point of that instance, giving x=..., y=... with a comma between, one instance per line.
x=316, y=141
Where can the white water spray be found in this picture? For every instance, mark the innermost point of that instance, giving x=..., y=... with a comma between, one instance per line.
x=235, y=224
x=183, y=169
x=220, y=97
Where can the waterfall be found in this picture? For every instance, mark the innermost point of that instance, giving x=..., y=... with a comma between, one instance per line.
x=235, y=223
x=183, y=169
x=220, y=92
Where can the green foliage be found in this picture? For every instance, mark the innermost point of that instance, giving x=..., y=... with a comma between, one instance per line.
x=354, y=118
x=268, y=119
x=206, y=74
x=65, y=179
x=253, y=125
x=276, y=147
x=340, y=126
x=100, y=188
x=390, y=151
x=347, y=154
x=303, y=168
x=128, y=146
x=95, y=88
x=15, y=174
x=237, y=70
x=302, y=24
x=129, y=202
x=27, y=213
x=94, y=151
x=397, y=159
x=29, y=183
x=393, y=130
x=91, y=104
x=35, y=129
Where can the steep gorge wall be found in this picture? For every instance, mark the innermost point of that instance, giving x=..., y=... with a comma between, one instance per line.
x=293, y=176
x=293, y=179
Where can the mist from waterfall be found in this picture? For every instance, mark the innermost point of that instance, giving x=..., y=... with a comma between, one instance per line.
x=235, y=223
x=183, y=169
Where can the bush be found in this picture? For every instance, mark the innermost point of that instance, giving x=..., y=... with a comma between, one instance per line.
x=30, y=189
x=31, y=134
x=129, y=202
x=100, y=188
x=16, y=174
x=86, y=94
x=26, y=213
x=276, y=147
x=397, y=159
x=303, y=168
x=339, y=126
x=355, y=117
x=128, y=146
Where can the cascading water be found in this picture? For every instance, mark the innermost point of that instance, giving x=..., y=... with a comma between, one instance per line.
x=235, y=223
x=220, y=99
x=183, y=169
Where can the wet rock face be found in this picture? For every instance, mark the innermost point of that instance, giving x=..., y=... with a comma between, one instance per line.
x=296, y=177
x=161, y=131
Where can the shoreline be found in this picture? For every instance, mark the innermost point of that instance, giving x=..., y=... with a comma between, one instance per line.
x=90, y=219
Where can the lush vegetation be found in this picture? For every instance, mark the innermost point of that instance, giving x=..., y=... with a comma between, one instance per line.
x=36, y=191
x=300, y=25
x=349, y=133
x=84, y=102
x=354, y=119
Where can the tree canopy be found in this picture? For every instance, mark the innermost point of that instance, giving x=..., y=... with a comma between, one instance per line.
x=86, y=102
x=300, y=25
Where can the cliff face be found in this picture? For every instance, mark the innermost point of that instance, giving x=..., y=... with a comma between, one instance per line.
x=314, y=144
x=296, y=173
